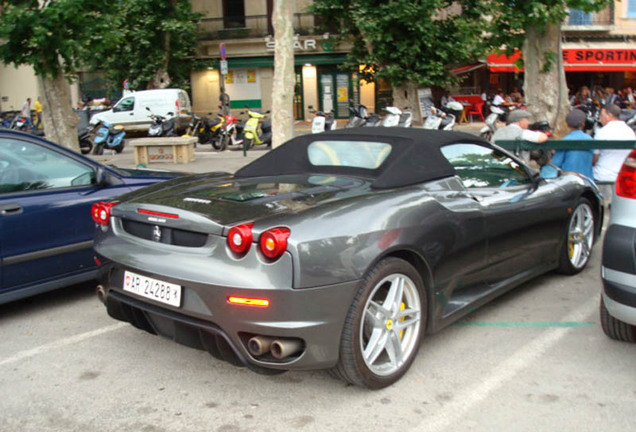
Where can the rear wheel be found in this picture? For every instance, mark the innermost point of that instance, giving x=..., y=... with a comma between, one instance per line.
x=615, y=328
x=577, y=248
x=86, y=146
x=384, y=325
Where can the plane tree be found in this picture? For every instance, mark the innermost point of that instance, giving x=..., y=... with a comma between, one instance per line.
x=534, y=27
x=409, y=43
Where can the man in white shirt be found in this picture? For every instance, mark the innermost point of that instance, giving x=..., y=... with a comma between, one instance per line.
x=608, y=162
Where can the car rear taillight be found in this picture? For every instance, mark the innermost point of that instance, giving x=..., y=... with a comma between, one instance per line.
x=626, y=180
x=101, y=212
x=273, y=242
x=239, y=239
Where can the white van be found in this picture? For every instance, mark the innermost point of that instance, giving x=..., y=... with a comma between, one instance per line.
x=130, y=111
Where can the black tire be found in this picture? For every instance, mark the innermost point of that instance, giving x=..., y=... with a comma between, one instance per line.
x=577, y=246
x=119, y=148
x=225, y=139
x=216, y=142
x=615, y=328
x=86, y=146
x=378, y=368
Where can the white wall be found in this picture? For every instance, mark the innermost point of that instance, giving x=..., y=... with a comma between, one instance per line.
x=16, y=85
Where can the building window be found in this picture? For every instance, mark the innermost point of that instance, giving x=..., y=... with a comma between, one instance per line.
x=579, y=17
x=631, y=8
x=233, y=14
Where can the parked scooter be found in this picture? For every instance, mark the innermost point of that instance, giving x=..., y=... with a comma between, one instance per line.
x=322, y=121
x=108, y=136
x=436, y=119
x=162, y=126
x=231, y=132
x=252, y=136
x=496, y=113
x=397, y=117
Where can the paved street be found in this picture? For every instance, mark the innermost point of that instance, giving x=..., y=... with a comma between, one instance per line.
x=533, y=360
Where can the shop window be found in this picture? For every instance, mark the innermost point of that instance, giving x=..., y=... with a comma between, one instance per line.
x=233, y=14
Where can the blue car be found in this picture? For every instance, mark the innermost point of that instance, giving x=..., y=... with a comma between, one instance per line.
x=46, y=229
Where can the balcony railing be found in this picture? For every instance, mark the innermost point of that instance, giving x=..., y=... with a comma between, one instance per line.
x=240, y=27
x=587, y=21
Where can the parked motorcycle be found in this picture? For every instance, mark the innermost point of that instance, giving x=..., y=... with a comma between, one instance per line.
x=322, y=121
x=397, y=117
x=360, y=117
x=231, y=132
x=162, y=126
x=496, y=114
x=108, y=136
x=436, y=119
x=252, y=136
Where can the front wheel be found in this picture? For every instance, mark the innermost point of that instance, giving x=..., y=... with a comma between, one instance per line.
x=384, y=326
x=577, y=248
x=86, y=146
x=615, y=328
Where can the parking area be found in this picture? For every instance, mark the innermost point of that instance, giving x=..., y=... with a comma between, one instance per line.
x=535, y=359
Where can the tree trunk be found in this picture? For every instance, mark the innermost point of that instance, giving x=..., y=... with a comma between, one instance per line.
x=405, y=98
x=283, y=88
x=58, y=117
x=546, y=92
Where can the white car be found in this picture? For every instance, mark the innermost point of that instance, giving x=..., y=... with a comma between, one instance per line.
x=618, y=270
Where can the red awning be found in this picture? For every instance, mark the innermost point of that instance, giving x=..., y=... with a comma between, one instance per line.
x=467, y=68
x=576, y=60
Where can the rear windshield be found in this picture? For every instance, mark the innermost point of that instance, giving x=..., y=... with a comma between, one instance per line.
x=356, y=154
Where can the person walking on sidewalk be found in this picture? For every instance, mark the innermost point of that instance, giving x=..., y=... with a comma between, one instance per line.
x=37, y=107
x=26, y=112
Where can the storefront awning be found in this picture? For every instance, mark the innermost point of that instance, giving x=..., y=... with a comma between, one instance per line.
x=299, y=60
x=576, y=60
x=467, y=68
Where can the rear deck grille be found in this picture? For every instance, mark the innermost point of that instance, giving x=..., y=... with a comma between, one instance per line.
x=167, y=235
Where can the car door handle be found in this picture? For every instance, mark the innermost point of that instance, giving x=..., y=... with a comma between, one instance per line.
x=10, y=209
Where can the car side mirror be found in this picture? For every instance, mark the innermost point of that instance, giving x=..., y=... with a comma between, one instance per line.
x=101, y=177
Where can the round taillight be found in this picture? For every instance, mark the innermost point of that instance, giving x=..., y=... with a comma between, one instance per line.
x=273, y=242
x=626, y=180
x=101, y=212
x=239, y=238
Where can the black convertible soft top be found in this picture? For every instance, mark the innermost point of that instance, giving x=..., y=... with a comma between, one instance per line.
x=415, y=156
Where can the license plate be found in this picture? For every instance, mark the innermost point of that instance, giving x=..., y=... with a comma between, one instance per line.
x=154, y=289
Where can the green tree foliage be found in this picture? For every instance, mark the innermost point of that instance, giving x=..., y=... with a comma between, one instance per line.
x=149, y=37
x=409, y=40
x=51, y=36
x=513, y=18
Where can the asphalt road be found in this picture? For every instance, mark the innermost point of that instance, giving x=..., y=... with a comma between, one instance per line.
x=534, y=360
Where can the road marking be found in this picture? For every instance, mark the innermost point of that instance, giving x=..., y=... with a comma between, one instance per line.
x=60, y=343
x=456, y=409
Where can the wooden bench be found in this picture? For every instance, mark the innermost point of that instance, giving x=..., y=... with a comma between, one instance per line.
x=163, y=149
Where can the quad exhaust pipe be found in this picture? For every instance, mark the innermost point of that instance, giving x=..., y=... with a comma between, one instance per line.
x=279, y=348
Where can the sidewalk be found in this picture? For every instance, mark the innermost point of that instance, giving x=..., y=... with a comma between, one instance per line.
x=207, y=159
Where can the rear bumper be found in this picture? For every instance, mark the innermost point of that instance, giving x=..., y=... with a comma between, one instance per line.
x=618, y=272
x=205, y=320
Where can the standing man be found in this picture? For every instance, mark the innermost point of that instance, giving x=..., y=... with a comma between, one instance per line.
x=517, y=128
x=37, y=106
x=26, y=112
x=608, y=162
x=579, y=161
